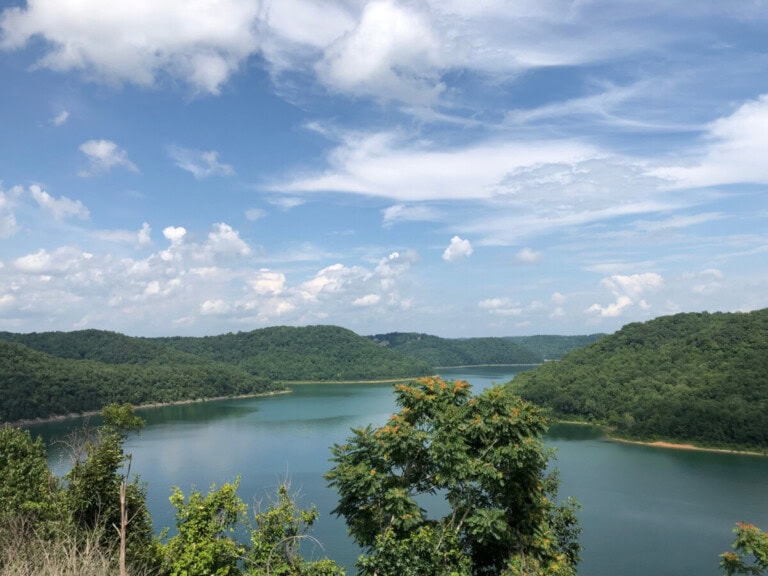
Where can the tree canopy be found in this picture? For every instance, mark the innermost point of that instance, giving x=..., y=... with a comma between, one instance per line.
x=694, y=377
x=483, y=456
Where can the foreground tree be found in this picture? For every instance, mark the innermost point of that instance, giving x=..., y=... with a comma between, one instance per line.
x=484, y=457
x=750, y=555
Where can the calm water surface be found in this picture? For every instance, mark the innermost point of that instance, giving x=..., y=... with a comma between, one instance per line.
x=645, y=510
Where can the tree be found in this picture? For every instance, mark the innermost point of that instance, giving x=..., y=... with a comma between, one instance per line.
x=27, y=487
x=750, y=541
x=101, y=497
x=484, y=455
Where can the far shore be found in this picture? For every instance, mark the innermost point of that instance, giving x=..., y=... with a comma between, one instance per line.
x=676, y=446
x=385, y=381
x=73, y=415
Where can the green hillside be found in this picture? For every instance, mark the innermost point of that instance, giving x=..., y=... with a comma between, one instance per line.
x=552, y=347
x=38, y=385
x=304, y=353
x=438, y=351
x=699, y=378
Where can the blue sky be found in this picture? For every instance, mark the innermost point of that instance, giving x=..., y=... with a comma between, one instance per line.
x=454, y=167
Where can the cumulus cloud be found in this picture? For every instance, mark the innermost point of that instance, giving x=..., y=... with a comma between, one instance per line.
x=393, y=53
x=201, y=164
x=367, y=300
x=501, y=307
x=457, y=249
x=175, y=234
x=628, y=292
x=223, y=239
x=60, y=208
x=103, y=155
x=267, y=282
x=199, y=43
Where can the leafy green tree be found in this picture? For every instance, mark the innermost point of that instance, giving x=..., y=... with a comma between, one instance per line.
x=484, y=455
x=205, y=544
x=27, y=488
x=96, y=481
x=750, y=555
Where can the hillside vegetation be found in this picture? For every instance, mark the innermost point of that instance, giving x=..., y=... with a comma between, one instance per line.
x=551, y=347
x=308, y=353
x=438, y=351
x=38, y=385
x=699, y=378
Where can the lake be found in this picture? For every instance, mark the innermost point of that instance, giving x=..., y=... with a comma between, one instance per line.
x=645, y=510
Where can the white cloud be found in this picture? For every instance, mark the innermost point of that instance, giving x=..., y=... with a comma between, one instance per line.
x=175, y=234
x=285, y=202
x=60, y=118
x=628, y=291
x=367, y=300
x=393, y=53
x=8, y=224
x=409, y=213
x=267, y=282
x=43, y=262
x=103, y=155
x=60, y=208
x=223, y=239
x=199, y=163
x=734, y=151
x=457, y=249
x=200, y=43
x=140, y=238
x=214, y=307
x=527, y=256
x=501, y=307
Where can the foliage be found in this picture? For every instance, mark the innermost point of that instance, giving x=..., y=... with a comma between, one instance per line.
x=750, y=542
x=288, y=353
x=484, y=455
x=277, y=536
x=205, y=543
x=554, y=347
x=689, y=377
x=92, y=493
x=35, y=384
x=438, y=351
x=27, y=488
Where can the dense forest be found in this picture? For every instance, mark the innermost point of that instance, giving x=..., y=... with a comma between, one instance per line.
x=34, y=384
x=550, y=347
x=288, y=353
x=437, y=351
x=57, y=373
x=699, y=378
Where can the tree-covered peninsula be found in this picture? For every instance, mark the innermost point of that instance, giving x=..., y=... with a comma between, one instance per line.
x=698, y=377
x=444, y=352
x=317, y=353
x=50, y=374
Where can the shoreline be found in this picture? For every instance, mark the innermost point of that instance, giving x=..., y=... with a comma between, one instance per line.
x=488, y=365
x=313, y=382
x=679, y=446
x=137, y=407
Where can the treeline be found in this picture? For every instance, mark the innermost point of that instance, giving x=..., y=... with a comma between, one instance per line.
x=58, y=373
x=443, y=352
x=551, y=347
x=699, y=378
x=317, y=353
x=34, y=384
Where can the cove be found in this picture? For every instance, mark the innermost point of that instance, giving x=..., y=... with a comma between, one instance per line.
x=645, y=510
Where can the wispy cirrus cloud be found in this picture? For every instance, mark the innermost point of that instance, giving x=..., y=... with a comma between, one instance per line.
x=201, y=164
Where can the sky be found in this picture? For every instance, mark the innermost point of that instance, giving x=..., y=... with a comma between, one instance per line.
x=453, y=167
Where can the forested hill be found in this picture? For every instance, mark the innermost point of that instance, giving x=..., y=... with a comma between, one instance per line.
x=551, y=347
x=699, y=378
x=303, y=353
x=474, y=351
x=34, y=384
x=101, y=346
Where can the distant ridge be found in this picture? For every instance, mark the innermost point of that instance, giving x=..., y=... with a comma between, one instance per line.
x=477, y=351
x=697, y=377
